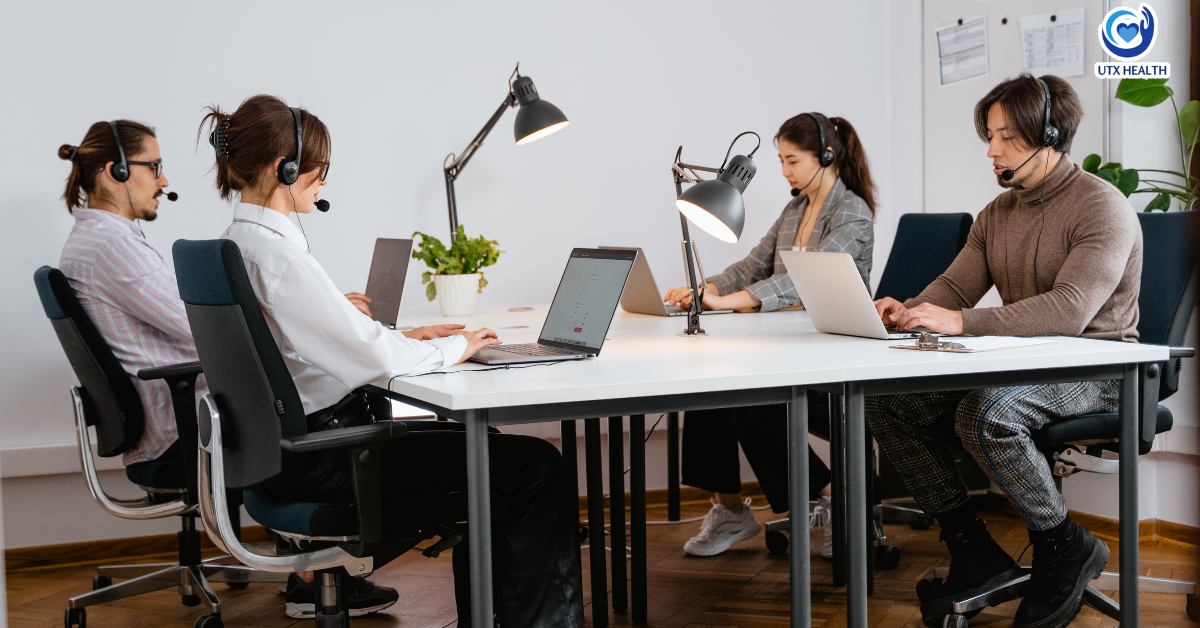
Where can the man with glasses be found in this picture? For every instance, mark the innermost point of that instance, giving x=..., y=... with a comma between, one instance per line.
x=130, y=294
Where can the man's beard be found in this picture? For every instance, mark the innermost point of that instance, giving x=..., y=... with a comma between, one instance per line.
x=149, y=215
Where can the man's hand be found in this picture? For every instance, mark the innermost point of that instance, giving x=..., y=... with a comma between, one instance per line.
x=931, y=317
x=359, y=301
x=889, y=310
x=477, y=340
x=683, y=296
x=433, y=331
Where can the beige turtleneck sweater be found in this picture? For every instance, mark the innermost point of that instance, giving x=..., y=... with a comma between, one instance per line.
x=1089, y=262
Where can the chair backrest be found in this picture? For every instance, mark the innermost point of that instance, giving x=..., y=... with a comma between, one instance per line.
x=1169, y=284
x=110, y=401
x=925, y=246
x=245, y=372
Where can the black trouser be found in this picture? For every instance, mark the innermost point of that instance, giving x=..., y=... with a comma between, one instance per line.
x=710, y=449
x=537, y=577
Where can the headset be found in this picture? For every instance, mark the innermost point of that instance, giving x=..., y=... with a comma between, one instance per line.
x=289, y=170
x=1049, y=133
x=120, y=171
x=824, y=158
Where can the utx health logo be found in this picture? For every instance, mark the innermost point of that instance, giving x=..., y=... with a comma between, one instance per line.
x=1126, y=37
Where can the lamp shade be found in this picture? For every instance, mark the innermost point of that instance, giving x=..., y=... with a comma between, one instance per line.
x=536, y=118
x=716, y=206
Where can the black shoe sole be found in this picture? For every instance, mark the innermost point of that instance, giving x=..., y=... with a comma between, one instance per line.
x=933, y=611
x=1067, y=612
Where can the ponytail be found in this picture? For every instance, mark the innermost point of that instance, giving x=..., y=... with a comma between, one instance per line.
x=95, y=151
x=852, y=163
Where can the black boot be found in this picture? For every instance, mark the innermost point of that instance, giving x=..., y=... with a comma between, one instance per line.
x=977, y=563
x=1065, y=560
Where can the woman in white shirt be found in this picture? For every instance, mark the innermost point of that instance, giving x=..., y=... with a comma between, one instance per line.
x=332, y=349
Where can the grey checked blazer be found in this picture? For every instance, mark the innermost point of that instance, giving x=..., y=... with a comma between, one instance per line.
x=843, y=226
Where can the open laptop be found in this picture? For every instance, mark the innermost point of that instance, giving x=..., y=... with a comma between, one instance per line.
x=641, y=294
x=835, y=297
x=385, y=284
x=580, y=314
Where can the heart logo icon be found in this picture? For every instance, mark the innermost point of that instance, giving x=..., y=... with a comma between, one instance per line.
x=1127, y=31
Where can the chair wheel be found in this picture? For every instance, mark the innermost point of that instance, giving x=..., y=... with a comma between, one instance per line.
x=99, y=582
x=887, y=557
x=777, y=543
x=238, y=586
x=75, y=617
x=340, y=620
x=1193, y=607
x=954, y=621
x=209, y=621
x=191, y=600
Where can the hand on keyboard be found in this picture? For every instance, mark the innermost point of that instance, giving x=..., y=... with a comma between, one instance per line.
x=477, y=340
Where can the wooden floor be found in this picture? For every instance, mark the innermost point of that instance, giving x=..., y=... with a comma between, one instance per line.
x=746, y=586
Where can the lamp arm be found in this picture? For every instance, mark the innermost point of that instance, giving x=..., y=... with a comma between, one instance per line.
x=697, y=305
x=457, y=163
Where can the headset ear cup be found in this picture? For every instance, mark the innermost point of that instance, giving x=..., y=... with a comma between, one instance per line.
x=288, y=172
x=120, y=172
x=1051, y=136
x=826, y=158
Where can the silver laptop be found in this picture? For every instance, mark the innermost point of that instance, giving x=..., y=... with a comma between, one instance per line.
x=580, y=314
x=385, y=284
x=835, y=297
x=641, y=294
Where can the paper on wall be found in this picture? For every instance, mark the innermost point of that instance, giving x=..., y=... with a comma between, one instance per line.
x=962, y=51
x=1053, y=42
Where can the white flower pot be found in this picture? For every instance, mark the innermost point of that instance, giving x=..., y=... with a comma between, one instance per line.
x=456, y=293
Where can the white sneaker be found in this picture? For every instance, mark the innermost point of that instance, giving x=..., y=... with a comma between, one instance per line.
x=721, y=528
x=822, y=515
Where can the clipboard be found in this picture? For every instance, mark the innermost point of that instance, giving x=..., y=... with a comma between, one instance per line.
x=983, y=344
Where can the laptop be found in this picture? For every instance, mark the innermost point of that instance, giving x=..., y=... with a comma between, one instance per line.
x=385, y=284
x=641, y=294
x=580, y=314
x=835, y=297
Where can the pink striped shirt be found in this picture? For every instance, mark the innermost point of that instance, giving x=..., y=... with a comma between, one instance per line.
x=131, y=296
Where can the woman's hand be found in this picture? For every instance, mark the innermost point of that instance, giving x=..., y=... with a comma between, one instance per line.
x=683, y=296
x=433, y=331
x=359, y=301
x=477, y=340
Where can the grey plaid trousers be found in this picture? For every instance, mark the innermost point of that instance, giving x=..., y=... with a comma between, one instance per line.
x=994, y=425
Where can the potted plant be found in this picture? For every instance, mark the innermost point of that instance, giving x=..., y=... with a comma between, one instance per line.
x=456, y=276
x=1182, y=186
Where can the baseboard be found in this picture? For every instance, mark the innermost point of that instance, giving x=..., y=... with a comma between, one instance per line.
x=1109, y=529
x=141, y=549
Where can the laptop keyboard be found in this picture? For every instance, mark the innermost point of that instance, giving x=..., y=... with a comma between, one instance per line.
x=533, y=350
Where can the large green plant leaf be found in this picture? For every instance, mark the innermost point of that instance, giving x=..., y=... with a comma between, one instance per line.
x=1107, y=175
x=1160, y=203
x=1091, y=163
x=1143, y=92
x=1128, y=181
x=1189, y=121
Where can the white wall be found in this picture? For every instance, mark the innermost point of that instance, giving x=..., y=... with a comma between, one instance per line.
x=400, y=86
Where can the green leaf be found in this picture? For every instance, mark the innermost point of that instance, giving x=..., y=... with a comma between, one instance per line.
x=431, y=291
x=426, y=277
x=482, y=283
x=1189, y=121
x=1128, y=181
x=1107, y=175
x=1112, y=165
x=1144, y=92
x=1091, y=163
x=1162, y=202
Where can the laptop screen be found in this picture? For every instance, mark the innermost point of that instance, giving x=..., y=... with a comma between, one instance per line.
x=587, y=297
x=385, y=284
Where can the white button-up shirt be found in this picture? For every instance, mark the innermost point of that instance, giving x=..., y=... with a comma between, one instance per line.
x=328, y=345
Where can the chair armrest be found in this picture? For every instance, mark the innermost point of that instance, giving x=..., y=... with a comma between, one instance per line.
x=173, y=370
x=1182, y=352
x=344, y=437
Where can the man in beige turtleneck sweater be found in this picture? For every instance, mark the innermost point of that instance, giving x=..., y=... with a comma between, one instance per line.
x=1064, y=250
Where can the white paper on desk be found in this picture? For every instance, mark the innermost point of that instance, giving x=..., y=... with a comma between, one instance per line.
x=1054, y=46
x=996, y=343
x=962, y=51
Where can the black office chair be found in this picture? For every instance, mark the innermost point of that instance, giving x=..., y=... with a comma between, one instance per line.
x=924, y=248
x=1170, y=280
x=107, y=400
x=253, y=430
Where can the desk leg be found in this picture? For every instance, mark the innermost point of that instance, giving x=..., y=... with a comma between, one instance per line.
x=595, y=499
x=856, y=507
x=673, y=466
x=616, y=511
x=801, y=586
x=570, y=455
x=637, y=515
x=869, y=500
x=837, y=460
x=479, y=516
x=1128, y=508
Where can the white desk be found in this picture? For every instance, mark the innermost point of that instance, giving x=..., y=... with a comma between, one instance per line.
x=750, y=360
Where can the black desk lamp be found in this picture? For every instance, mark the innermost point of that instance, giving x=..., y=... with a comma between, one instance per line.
x=715, y=206
x=535, y=119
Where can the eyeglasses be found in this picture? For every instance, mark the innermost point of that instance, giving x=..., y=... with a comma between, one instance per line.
x=157, y=166
x=325, y=172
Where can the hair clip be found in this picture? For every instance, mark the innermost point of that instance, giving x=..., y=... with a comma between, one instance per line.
x=217, y=138
x=74, y=149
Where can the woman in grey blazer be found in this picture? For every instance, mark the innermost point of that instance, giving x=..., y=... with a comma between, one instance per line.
x=832, y=211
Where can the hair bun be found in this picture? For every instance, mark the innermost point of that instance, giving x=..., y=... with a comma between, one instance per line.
x=67, y=152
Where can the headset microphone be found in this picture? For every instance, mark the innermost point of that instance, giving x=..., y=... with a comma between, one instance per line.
x=322, y=205
x=1007, y=175
x=171, y=196
x=795, y=192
